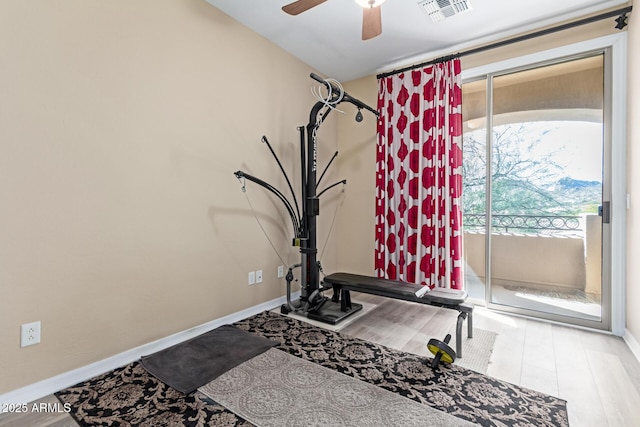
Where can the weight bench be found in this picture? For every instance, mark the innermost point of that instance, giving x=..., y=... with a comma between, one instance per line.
x=455, y=299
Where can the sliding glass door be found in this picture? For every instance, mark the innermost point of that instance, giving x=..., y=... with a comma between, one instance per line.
x=536, y=190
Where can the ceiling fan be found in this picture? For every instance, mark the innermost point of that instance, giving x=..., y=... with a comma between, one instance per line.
x=371, y=16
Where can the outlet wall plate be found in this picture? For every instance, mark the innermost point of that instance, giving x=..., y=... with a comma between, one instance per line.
x=30, y=334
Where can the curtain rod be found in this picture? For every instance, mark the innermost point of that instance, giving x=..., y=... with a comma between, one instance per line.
x=621, y=23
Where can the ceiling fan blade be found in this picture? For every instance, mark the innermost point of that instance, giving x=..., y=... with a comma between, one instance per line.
x=371, y=22
x=300, y=6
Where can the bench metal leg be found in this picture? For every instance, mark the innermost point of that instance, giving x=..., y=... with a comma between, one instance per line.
x=466, y=314
x=461, y=317
x=345, y=299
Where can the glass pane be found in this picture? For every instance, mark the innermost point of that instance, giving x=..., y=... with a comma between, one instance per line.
x=546, y=189
x=474, y=95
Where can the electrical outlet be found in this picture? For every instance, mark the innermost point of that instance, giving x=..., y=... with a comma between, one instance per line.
x=252, y=277
x=280, y=271
x=259, y=276
x=29, y=334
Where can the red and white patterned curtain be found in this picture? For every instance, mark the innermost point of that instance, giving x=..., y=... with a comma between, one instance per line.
x=419, y=177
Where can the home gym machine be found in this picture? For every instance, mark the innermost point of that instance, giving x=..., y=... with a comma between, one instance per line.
x=312, y=303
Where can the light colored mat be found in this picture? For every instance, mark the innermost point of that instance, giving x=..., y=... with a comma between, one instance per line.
x=278, y=389
x=366, y=308
x=476, y=351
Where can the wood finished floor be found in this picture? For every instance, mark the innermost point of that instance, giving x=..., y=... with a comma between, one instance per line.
x=596, y=373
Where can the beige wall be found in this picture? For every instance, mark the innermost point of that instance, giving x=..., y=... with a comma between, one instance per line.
x=357, y=163
x=534, y=259
x=121, y=221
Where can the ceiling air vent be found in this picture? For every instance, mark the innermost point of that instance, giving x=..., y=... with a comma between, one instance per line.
x=441, y=9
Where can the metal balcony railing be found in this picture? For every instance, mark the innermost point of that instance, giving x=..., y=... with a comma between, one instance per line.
x=535, y=224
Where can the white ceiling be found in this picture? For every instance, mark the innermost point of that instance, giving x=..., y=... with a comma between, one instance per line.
x=328, y=37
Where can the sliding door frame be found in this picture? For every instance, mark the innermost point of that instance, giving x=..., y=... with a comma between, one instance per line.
x=614, y=266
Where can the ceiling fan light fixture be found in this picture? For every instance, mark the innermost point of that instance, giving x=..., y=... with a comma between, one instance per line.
x=442, y=9
x=369, y=3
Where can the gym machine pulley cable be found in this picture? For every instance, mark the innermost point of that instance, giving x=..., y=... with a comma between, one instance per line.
x=303, y=215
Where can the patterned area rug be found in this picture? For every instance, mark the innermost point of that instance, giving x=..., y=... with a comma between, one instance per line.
x=276, y=389
x=130, y=396
x=464, y=393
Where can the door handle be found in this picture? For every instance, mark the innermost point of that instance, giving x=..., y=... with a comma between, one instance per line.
x=604, y=212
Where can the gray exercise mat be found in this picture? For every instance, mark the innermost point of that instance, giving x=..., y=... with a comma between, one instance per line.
x=193, y=363
x=277, y=389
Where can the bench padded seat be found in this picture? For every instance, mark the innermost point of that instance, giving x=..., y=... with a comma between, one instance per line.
x=398, y=290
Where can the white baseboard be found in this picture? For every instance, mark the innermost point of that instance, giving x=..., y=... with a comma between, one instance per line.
x=51, y=385
x=633, y=344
